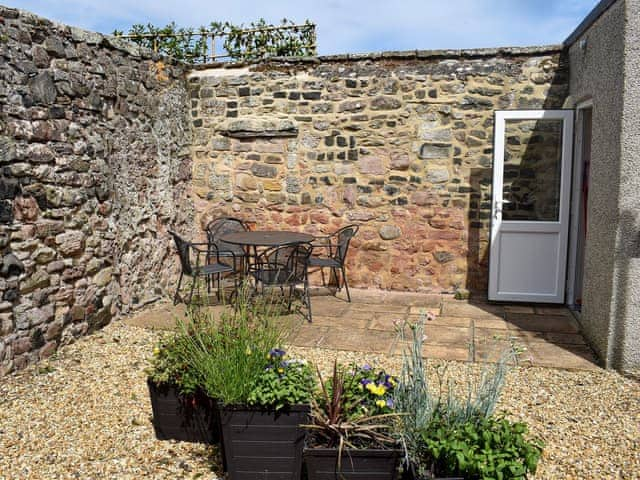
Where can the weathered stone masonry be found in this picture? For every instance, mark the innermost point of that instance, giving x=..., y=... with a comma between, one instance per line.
x=400, y=143
x=102, y=145
x=95, y=166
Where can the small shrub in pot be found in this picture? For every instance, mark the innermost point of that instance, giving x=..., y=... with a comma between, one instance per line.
x=453, y=434
x=263, y=396
x=351, y=434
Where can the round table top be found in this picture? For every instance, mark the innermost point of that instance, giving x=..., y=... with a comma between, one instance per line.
x=266, y=238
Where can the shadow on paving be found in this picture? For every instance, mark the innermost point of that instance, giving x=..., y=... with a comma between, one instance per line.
x=467, y=330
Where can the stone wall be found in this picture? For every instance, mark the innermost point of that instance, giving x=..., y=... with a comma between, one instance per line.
x=95, y=167
x=401, y=143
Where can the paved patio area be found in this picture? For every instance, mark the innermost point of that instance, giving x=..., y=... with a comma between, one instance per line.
x=470, y=330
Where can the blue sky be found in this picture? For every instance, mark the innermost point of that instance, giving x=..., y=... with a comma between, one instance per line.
x=346, y=26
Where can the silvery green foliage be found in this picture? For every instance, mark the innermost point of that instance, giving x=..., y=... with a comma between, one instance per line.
x=413, y=395
x=421, y=402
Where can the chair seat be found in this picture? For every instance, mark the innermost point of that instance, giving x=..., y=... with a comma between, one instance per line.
x=214, y=268
x=323, y=262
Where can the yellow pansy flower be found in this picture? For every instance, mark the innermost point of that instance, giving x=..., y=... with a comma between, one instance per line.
x=378, y=390
x=381, y=403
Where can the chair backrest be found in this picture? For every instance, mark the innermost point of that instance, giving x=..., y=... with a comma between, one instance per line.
x=221, y=226
x=291, y=259
x=343, y=237
x=183, y=248
x=300, y=262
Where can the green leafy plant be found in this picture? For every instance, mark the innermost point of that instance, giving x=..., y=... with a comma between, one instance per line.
x=338, y=420
x=423, y=403
x=229, y=354
x=257, y=41
x=481, y=448
x=177, y=42
x=261, y=40
x=282, y=382
x=170, y=367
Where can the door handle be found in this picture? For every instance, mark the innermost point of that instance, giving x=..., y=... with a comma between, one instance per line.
x=497, y=209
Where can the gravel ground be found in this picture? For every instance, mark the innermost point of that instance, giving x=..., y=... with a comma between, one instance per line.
x=86, y=414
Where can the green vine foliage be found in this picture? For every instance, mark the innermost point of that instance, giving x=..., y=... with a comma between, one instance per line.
x=263, y=41
x=258, y=40
x=182, y=43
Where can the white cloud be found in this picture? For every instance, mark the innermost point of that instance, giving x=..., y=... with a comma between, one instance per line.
x=346, y=26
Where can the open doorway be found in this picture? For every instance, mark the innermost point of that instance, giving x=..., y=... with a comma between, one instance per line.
x=579, y=204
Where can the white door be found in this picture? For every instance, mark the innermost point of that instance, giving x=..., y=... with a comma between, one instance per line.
x=531, y=187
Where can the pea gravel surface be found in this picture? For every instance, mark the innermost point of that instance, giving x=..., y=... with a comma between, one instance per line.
x=86, y=414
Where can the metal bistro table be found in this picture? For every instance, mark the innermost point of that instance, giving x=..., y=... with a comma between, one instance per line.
x=252, y=240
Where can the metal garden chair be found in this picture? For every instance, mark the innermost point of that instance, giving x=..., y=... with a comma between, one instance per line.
x=335, y=248
x=221, y=226
x=199, y=260
x=284, y=267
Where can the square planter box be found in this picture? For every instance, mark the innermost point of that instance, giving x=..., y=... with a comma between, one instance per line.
x=184, y=418
x=322, y=464
x=260, y=444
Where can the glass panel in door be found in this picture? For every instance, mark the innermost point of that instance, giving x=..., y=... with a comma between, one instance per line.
x=532, y=170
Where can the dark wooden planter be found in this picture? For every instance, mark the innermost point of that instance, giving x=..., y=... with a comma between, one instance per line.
x=260, y=444
x=322, y=464
x=184, y=418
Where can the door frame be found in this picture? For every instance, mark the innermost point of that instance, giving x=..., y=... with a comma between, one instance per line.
x=576, y=198
x=500, y=117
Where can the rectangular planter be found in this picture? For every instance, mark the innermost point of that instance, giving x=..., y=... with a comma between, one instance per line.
x=260, y=444
x=184, y=418
x=322, y=464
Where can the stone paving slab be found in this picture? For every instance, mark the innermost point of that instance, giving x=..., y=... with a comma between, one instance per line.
x=375, y=341
x=462, y=309
x=461, y=330
x=445, y=321
x=542, y=323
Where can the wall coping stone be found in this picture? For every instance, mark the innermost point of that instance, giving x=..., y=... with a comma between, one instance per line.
x=472, y=53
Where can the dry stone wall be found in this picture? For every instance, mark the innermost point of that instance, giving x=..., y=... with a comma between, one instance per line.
x=400, y=143
x=94, y=167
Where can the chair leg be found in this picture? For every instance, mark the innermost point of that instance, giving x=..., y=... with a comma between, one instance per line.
x=346, y=285
x=334, y=274
x=193, y=285
x=307, y=299
x=177, y=295
x=322, y=273
x=291, y=287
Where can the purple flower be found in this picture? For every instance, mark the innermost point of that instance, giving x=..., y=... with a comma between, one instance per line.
x=365, y=381
x=366, y=367
x=390, y=402
x=276, y=352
